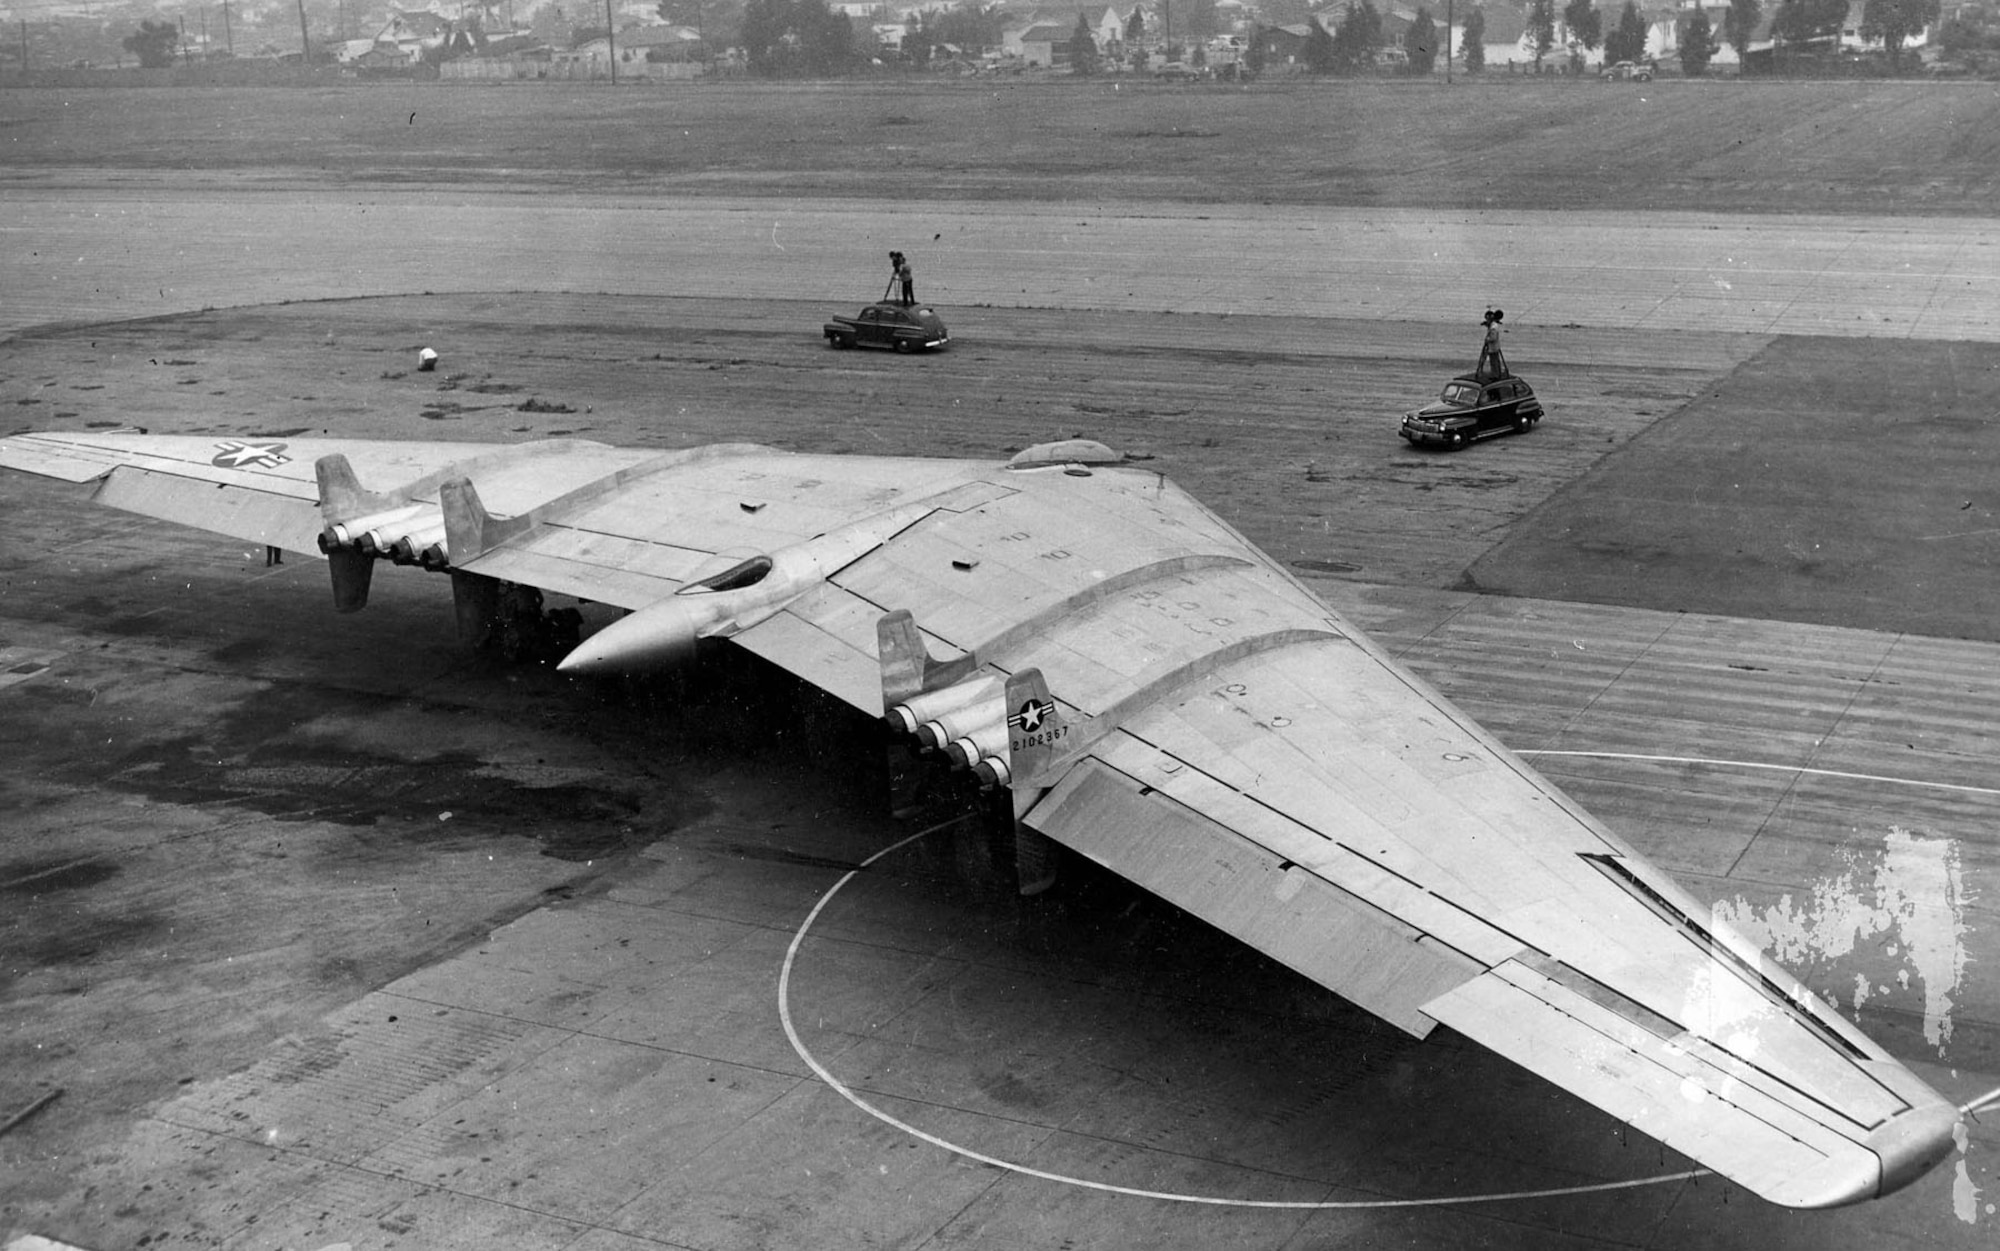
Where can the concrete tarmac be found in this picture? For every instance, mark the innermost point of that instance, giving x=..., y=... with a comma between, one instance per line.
x=520, y=947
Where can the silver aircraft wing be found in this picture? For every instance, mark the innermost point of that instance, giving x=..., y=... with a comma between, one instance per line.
x=269, y=490
x=1160, y=697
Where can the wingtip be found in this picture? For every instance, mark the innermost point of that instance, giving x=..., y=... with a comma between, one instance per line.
x=1899, y=1152
x=1914, y=1143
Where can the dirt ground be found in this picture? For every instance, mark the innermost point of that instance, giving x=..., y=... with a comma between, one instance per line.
x=1497, y=141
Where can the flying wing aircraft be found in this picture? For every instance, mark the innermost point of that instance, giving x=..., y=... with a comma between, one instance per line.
x=1159, y=696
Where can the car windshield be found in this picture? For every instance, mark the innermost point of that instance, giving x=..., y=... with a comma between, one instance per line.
x=1460, y=393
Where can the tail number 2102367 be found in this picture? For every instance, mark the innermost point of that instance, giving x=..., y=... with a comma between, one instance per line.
x=1040, y=738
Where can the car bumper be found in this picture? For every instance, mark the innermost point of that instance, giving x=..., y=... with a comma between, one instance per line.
x=1418, y=434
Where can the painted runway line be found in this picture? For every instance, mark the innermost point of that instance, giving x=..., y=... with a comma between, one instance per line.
x=1775, y=768
x=848, y=1093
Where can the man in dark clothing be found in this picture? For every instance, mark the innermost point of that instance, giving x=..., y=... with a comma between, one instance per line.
x=904, y=276
x=1491, y=363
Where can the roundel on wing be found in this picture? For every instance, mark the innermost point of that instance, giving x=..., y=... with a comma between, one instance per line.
x=231, y=454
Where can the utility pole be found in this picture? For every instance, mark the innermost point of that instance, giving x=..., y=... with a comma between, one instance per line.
x=611, y=40
x=227, y=33
x=305, y=41
x=24, y=45
x=187, y=58
x=1447, y=43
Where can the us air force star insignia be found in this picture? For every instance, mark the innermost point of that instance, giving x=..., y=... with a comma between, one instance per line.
x=234, y=455
x=1030, y=716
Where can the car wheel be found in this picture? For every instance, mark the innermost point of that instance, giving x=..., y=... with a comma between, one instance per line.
x=902, y=345
x=1521, y=424
x=1454, y=441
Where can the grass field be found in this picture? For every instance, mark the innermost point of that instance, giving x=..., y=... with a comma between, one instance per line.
x=1501, y=141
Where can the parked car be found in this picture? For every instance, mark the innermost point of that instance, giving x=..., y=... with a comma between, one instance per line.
x=1628, y=69
x=1471, y=407
x=1175, y=71
x=904, y=327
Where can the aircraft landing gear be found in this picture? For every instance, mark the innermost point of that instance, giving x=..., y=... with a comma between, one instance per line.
x=509, y=619
x=977, y=840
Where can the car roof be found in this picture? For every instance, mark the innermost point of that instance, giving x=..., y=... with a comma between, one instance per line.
x=916, y=312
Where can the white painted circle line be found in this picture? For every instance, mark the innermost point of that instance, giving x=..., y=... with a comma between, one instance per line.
x=846, y=1092
x=1775, y=768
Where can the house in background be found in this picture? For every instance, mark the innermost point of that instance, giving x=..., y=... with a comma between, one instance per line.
x=1850, y=33
x=1046, y=45
x=1285, y=45
x=637, y=44
x=414, y=33
x=1106, y=27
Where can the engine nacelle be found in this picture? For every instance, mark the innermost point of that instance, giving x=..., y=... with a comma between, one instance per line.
x=658, y=636
x=367, y=531
x=961, y=723
x=413, y=534
x=424, y=547
x=908, y=716
x=989, y=740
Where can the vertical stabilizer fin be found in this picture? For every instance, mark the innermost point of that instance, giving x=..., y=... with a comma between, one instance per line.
x=1034, y=727
x=1036, y=859
x=907, y=665
x=465, y=520
x=470, y=530
x=476, y=601
x=352, y=572
x=341, y=495
x=905, y=659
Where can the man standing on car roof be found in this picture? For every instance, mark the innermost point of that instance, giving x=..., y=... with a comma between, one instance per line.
x=904, y=276
x=1491, y=363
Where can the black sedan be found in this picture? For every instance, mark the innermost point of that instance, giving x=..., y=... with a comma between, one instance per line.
x=904, y=327
x=1472, y=407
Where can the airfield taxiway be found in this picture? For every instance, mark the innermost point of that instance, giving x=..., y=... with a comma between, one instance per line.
x=133, y=245
x=334, y=934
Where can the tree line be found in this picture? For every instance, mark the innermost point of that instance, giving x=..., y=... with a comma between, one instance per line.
x=1351, y=45
x=807, y=38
